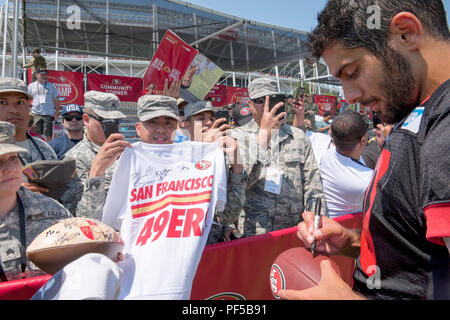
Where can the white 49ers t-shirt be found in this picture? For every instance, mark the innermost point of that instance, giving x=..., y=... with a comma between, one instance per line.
x=162, y=198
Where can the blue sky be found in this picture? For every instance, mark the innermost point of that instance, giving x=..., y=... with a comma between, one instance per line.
x=296, y=14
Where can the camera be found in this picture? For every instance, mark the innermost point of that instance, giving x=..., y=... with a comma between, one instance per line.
x=276, y=99
x=110, y=127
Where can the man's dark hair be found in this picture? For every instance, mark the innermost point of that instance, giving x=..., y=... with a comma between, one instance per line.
x=326, y=114
x=36, y=51
x=347, y=129
x=347, y=21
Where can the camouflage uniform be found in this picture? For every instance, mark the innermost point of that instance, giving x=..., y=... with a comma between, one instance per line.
x=311, y=117
x=292, y=154
x=33, y=153
x=85, y=196
x=290, y=113
x=41, y=212
x=37, y=62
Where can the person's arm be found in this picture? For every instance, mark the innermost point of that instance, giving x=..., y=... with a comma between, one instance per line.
x=299, y=118
x=325, y=128
x=30, y=64
x=57, y=108
x=235, y=188
x=310, y=173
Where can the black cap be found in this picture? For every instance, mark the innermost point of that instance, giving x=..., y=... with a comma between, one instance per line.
x=242, y=114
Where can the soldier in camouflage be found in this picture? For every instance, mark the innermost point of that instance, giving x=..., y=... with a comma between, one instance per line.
x=15, y=109
x=16, y=203
x=283, y=175
x=95, y=156
x=289, y=107
x=37, y=62
x=311, y=110
x=202, y=126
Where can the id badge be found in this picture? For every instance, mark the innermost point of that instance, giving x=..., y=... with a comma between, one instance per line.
x=274, y=179
x=42, y=99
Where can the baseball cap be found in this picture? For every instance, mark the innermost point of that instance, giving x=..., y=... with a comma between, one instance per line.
x=262, y=87
x=242, y=114
x=8, y=140
x=105, y=105
x=14, y=85
x=71, y=108
x=51, y=174
x=154, y=106
x=41, y=71
x=198, y=107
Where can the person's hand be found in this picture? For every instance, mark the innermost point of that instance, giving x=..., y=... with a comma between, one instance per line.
x=174, y=89
x=35, y=187
x=109, y=152
x=230, y=147
x=299, y=107
x=120, y=257
x=330, y=287
x=187, y=79
x=270, y=121
x=227, y=234
x=332, y=238
x=217, y=130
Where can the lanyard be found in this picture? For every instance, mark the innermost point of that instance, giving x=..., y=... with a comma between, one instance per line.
x=23, y=241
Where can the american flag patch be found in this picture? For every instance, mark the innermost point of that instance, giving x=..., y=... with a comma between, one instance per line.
x=30, y=173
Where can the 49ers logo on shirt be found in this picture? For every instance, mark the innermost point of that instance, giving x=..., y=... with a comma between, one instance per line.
x=277, y=280
x=203, y=164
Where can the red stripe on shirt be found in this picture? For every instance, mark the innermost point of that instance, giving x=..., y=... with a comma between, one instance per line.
x=438, y=222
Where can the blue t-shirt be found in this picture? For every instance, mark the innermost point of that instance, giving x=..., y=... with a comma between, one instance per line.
x=62, y=144
x=322, y=124
x=179, y=137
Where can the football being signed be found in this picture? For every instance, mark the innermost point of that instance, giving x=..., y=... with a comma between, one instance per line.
x=69, y=239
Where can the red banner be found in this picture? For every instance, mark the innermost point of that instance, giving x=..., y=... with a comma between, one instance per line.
x=227, y=271
x=170, y=61
x=326, y=104
x=221, y=95
x=69, y=85
x=126, y=88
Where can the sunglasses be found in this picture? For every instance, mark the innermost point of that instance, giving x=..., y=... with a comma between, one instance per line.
x=100, y=119
x=261, y=100
x=70, y=118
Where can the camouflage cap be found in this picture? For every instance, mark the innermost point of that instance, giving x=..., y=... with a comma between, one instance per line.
x=154, y=106
x=262, y=87
x=106, y=105
x=198, y=107
x=41, y=71
x=14, y=85
x=51, y=174
x=8, y=140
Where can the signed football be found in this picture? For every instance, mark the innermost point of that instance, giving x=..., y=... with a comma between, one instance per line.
x=69, y=239
x=297, y=269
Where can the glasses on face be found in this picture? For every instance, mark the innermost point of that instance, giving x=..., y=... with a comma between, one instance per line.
x=100, y=119
x=70, y=118
x=261, y=100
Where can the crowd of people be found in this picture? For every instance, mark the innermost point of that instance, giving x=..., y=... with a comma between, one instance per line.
x=280, y=159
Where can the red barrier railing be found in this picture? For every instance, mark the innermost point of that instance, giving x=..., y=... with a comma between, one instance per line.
x=231, y=270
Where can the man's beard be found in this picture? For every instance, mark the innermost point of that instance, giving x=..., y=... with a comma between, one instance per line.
x=398, y=86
